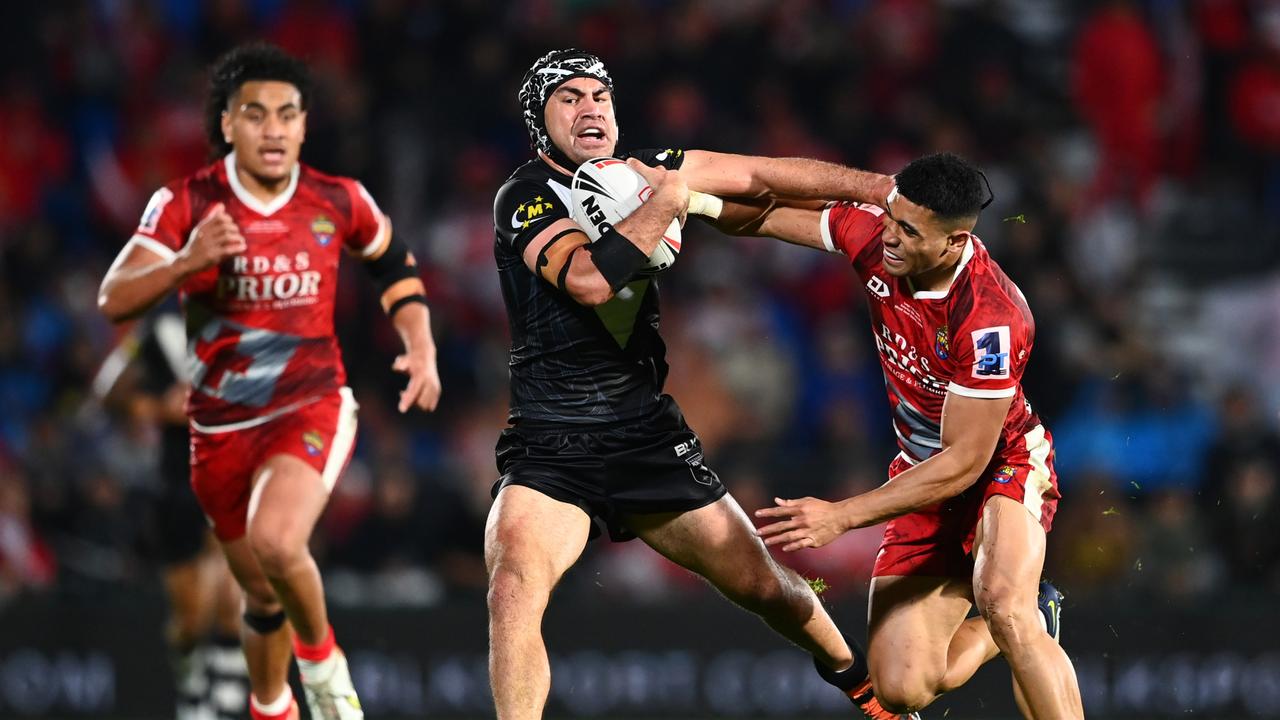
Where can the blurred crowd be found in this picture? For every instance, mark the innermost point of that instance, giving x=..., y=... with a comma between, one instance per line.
x=1134, y=152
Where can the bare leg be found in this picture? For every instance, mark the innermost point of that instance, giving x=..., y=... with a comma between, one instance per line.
x=530, y=541
x=916, y=626
x=1009, y=555
x=267, y=655
x=719, y=543
x=288, y=497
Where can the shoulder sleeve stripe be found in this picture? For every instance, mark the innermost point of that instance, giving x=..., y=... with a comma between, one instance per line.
x=381, y=239
x=153, y=245
x=825, y=225
x=981, y=392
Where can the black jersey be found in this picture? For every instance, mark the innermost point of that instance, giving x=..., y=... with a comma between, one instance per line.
x=162, y=359
x=572, y=364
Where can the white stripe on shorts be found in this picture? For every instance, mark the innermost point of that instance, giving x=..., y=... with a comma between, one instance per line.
x=1038, y=482
x=343, y=439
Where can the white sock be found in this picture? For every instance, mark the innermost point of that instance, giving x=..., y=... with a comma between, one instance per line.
x=279, y=705
x=314, y=672
x=1044, y=623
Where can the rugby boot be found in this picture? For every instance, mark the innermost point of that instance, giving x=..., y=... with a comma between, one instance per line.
x=332, y=697
x=1050, y=602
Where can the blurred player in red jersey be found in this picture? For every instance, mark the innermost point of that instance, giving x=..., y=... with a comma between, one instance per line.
x=973, y=491
x=252, y=242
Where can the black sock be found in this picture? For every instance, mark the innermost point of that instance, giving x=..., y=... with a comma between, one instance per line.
x=851, y=677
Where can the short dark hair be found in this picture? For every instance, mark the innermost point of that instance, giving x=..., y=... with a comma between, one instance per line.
x=247, y=63
x=944, y=183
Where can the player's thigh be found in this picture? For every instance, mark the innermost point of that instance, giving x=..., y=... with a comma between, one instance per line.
x=717, y=541
x=531, y=538
x=287, y=499
x=911, y=620
x=1009, y=549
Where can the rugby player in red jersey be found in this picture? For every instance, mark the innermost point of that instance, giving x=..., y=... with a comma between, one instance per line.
x=252, y=243
x=973, y=491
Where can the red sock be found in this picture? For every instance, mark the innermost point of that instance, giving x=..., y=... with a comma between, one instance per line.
x=315, y=653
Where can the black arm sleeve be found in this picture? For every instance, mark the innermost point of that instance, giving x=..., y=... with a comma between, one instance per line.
x=395, y=263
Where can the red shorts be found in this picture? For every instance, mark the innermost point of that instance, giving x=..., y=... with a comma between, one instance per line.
x=937, y=541
x=224, y=459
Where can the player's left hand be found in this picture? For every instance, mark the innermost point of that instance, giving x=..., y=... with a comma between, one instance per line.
x=423, y=390
x=807, y=523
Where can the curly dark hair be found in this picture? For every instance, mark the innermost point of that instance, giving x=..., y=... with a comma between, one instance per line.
x=246, y=63
x=944, y=183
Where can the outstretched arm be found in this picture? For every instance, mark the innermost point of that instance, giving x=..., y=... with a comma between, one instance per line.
x=729, y=175
x=795, y=221
x=970, y=430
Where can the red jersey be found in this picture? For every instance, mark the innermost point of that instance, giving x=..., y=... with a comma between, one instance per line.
x=260, y=338
x=972, y=339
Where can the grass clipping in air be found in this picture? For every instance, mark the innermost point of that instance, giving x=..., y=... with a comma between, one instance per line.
x=818, y=584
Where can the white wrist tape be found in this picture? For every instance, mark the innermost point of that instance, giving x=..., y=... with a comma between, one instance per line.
x=705, y=204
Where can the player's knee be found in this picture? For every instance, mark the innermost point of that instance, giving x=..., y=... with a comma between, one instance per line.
x=186, y=629
x=761, y=593
x=1007, y=613
x=261, y=600
x=276, y=550
x=516, y=588
x=901, y=693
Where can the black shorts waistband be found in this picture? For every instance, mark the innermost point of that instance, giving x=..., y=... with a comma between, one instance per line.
x=540, y=426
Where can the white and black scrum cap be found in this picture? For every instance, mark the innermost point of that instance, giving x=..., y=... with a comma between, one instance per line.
x=548, y=73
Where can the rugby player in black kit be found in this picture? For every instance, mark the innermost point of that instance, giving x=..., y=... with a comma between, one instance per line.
x=594, y=445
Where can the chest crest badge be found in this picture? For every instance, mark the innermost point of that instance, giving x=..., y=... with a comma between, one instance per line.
x=323, y=229
x=942, y=343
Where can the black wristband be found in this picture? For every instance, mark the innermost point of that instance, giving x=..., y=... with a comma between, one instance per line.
x=617, y=258
x=414, y=298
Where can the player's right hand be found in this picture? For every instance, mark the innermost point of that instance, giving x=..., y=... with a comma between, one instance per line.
x=215, y=239
x=669, y=184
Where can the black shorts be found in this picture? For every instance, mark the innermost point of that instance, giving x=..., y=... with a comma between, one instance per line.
x=181, y=528
x=652, y=465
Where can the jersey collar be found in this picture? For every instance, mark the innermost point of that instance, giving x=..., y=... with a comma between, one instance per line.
x=965, y=257
x=244, y=196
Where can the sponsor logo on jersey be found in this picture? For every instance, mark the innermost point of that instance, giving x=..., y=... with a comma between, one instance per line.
x=1004, y=474
x=941, y=343
x=282, y=280
x=313, y=442
x=323, y=229
x=530, y=212
x=905, y=362
x=155, y=208
x=266, y=227
x=991, y=352
x=910, y=312
x=878, y=286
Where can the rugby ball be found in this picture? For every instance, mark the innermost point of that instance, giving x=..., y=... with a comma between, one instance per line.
x=603, y=192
